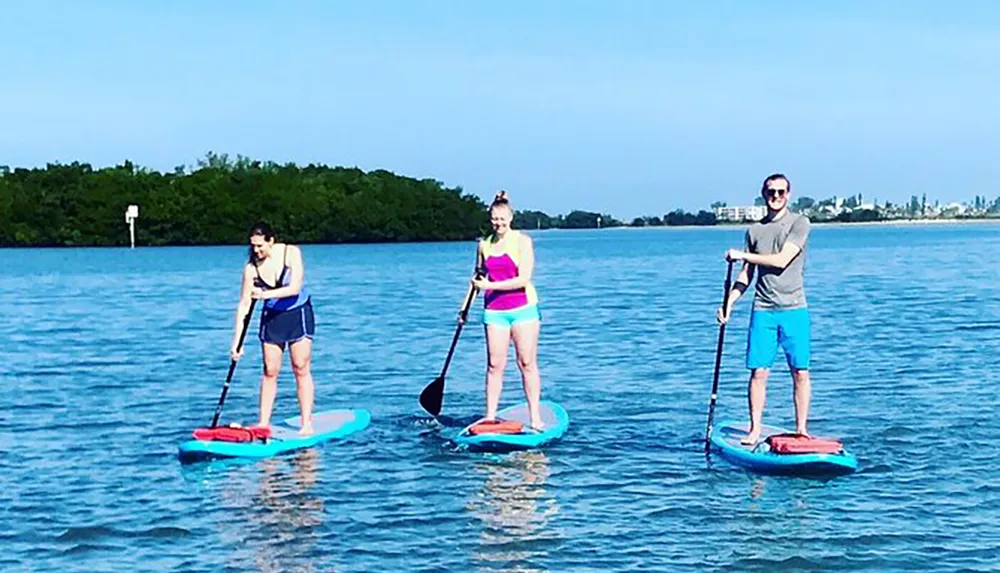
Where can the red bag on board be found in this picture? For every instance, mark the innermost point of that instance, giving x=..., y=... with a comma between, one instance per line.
x=231, y=434
x=497, y=427
x=799, y=444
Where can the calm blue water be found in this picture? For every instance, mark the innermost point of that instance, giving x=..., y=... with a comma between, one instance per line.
x=113, y=356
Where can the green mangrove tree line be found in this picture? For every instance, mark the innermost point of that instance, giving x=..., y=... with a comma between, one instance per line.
x=216, y=202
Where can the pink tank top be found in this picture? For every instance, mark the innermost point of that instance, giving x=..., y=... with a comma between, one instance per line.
x=500, y=267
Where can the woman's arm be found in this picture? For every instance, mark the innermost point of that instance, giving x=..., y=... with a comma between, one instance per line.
x=243, y=306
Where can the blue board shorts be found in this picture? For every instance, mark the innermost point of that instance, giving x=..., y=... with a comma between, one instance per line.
x=287, y=326
x=508, y=318
x=770, y=329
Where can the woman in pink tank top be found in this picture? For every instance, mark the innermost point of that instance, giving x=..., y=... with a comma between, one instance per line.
x=504, y=264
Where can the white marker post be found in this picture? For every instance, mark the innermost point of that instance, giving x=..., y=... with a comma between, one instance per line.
x=131, y=214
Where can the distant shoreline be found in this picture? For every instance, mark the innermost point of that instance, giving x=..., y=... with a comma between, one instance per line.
x=884, y=222
x=936, y=221
x=718, y=226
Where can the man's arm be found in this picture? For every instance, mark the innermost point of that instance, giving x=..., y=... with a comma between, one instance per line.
x=796, y=239
x=777, y=260
x=740, y=286
x=742, y=279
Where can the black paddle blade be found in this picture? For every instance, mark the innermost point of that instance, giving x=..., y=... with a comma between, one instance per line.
x=432, y=396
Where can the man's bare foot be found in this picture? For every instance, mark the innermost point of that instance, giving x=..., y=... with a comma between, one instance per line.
x=751, y=438
x=306, y=430
x=537, y=425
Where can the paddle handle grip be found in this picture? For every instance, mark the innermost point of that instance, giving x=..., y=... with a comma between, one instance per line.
x=464, y=312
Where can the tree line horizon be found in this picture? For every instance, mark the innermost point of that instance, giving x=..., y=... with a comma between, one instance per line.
x=218, y=199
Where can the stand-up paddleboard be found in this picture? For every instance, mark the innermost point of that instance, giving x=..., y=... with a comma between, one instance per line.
x=554, y=419
x=329, y=425
x=763, y=458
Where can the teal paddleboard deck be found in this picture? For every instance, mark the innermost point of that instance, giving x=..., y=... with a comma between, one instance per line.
x=726, y=438
x=329, y=425
x=555, y=422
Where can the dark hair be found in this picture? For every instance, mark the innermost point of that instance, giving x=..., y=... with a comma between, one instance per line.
x=775, y=177
x=501, y=199
x=264, y=230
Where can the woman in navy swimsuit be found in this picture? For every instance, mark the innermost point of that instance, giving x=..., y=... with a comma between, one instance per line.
x=275, y=274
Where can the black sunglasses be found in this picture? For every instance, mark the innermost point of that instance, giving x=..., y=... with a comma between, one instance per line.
x=775, y=192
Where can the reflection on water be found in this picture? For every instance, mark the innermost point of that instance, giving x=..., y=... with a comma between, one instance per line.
x=787, y=496
x=757, y=488
x=284, y=490
x=281, y=521
x=515, y=510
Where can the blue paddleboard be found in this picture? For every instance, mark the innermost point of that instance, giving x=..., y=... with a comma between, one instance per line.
x=554, y=418
x=726, y=438
x=285, y=437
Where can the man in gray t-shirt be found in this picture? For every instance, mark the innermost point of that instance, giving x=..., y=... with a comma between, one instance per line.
x=775, y=248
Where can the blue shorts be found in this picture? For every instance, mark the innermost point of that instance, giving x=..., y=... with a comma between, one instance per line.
x=508, y=318
x=771, y=328
x=287, y=326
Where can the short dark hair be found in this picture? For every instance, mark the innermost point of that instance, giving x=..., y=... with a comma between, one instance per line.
x=775, y=177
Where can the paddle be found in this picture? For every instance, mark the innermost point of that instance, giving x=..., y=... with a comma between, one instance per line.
x=232, y=364
x=433, y=394
x=718, y=357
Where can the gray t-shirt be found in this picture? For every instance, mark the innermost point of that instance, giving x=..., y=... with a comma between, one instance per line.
x=777, y=288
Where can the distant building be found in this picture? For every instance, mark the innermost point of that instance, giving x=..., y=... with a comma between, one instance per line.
x=750, y=213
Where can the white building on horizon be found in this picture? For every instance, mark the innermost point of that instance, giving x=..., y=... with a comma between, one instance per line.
x=741, y=213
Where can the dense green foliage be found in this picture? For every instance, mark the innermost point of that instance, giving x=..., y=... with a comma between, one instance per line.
x=859, y=216
x=680, y=217
x=573, y=220
x=677, y=217
x=216, y=202
x=588, y=220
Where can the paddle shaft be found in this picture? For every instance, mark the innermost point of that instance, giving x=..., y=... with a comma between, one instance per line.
x=432, y=396
x=232, y=364
x=454, y=340
x=718, y=355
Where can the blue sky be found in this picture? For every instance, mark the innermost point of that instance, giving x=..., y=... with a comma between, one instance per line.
x=623, y=107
